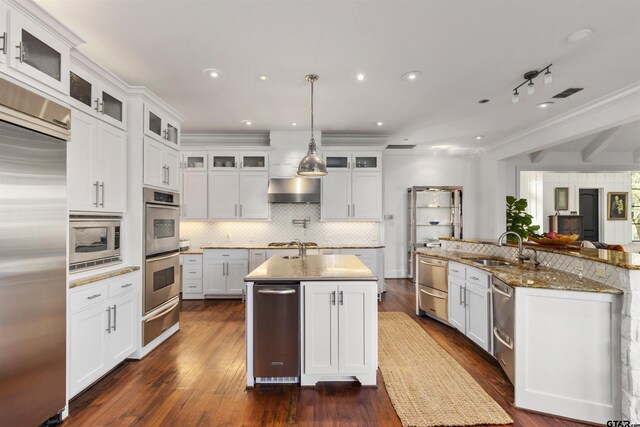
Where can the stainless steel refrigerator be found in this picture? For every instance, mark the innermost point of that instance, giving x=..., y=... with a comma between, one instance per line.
x=33, y=256
x=432, y=212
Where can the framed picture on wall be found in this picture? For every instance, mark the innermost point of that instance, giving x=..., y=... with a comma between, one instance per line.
x=617, y=206
x=562, y=199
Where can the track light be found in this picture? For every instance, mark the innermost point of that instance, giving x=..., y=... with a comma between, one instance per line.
x=528, y=77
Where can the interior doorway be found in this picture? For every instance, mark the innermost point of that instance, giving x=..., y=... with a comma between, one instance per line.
x=589, y=208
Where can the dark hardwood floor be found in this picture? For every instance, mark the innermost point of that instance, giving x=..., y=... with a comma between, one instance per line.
x=196, y=378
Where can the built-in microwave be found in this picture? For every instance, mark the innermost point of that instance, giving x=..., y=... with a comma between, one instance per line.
x=94, y=240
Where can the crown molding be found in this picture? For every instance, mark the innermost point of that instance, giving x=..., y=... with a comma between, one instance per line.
x=336, y=139
x=51, y=24
x=79, y=59
x=147, y=95
x=225, y=139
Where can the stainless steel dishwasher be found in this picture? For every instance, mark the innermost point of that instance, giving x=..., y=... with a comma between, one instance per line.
x=503, y=326
x=276, y=332
x=433, y=287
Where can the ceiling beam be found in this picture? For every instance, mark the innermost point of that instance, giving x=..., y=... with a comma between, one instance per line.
x=602, y=141
x=636, y=155
x=538, y=156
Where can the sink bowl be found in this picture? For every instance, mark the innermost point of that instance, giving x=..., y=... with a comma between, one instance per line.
x=291, y=257
x=491, y=262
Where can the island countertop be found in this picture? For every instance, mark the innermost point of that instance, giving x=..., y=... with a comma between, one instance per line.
x=313, y=268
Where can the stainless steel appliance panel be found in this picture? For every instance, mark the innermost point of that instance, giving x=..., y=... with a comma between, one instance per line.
x=162, y=229
x=433, y=273
x=164, y=318
x=503, y=297
x=276, y=330
x=505, y=352
x=33, y=264
x=434, y=302
x=93, y=240
x=162, y=280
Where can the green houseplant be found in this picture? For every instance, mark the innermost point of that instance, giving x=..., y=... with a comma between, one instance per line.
x=518, y=220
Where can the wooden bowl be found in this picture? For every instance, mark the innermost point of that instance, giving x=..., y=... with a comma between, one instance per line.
x=562, y=239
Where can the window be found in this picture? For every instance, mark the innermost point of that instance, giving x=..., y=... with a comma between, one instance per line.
x=635, y=206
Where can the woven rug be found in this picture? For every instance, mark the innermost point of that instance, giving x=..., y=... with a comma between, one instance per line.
x=426, y=385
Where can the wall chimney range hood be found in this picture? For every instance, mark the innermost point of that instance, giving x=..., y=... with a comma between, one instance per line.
x=294, y=190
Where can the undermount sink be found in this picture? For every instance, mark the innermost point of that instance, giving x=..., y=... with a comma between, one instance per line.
x=291, y=257
x=491, y=262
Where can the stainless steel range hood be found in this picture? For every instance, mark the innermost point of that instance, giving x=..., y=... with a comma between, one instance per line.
x=294, y=190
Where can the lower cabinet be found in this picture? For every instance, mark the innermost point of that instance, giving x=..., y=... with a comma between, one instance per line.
x=191, y=276
x=223, y=272
x=340, y=332
x=103, y=328
x=470, y=304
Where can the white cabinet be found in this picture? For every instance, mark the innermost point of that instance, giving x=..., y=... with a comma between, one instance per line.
x=470, y=303
x=359, y=161
x=336, y=196
x=223, y=272
x=238, y=195
x=160, y=127
x=366, y=196
x=103, y=328
x=191, y=276
x=371, y=257
x=161, y=165
x=340, y=329
x=4, y=37
x=194, y=161
x=256, y=257
x=97, y=98
x=194, y=195
x=97, y=169
x=233, y=160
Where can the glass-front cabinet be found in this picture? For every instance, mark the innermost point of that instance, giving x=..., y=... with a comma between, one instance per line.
x=223, y=160
x=194, y=161
x=254, y=161
x=35, y=53
x=365, y=161
x=337, y=161
x=88, y=93
x=4, y=37
x=160, y=127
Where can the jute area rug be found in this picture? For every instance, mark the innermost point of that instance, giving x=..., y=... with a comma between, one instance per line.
x=426, y=385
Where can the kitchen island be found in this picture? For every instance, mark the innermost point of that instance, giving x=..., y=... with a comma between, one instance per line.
x=334, y=299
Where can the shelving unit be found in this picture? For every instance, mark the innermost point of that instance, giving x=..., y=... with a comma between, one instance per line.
x=426, y=204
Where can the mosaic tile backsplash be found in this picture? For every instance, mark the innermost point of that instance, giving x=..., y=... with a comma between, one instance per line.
x=281, y=229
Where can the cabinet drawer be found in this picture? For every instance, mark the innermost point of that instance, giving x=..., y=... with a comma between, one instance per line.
x=226, y=254
x=191, y=272
x=478, y=277
x=191, y=259
x=192, y=286
x=329, y=251
x=122, y=285
x=360, y=253
x=83, y=298
x=458, y=270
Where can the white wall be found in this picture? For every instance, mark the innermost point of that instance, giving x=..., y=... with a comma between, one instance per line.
x=542, y=202
x=404, y=170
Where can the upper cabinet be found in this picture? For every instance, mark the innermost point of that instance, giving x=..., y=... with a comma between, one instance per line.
x=160, y=127
x=4, y=37
x=161, y=165
x=356, y=162
x=194, y=161
x=229, y=160
x=96, y=97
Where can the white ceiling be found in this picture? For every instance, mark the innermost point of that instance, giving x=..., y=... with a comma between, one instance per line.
x=466, y=49
x=625, y=139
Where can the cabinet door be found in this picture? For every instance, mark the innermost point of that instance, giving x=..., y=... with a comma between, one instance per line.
x=112, y=158
x=213, y=276
x=124, y=323
x=337, y=161
x=356, y=311
x=194, y=161
x=477, y=302
x=194, y=195
x=171, y=161
x=336, y=195
x=320, y=329
x=254, y=161
x=223, y=195
x=223, y=161
x=457, y=309
x=257, y=258
x=154, y=173
x=87, y=347
x=366, y=196
x=237, y=269
x=4, y=42
x=254, y=203
x=82, y=92
x=171, y=133
x=82, y=190
x=112, y=107
x=153, y=126
x=366, y=162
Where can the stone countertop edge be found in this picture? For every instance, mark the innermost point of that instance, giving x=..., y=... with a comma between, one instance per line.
x=251, y=246
x=527, y=276
x=314, y=268
x=192, y=252
x=102, y=276
x=626, y=260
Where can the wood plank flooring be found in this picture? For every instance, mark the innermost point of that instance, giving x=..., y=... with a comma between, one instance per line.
x=196, y=378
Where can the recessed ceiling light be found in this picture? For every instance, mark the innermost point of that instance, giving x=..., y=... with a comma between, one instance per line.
x=479, y=137
x=411, y=75
x=360, y=77
x=246, y=122
x=263, y=77
x=213, y=73
x=294, y=124
x=483, y=101
x=579, y=35
x=544, y=104
x=379, y=123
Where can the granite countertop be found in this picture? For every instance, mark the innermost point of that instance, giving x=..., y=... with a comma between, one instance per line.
x=257, y=246
x=527, y=275
x=313, y=268
x=192, y=252
x=627, y=260
x=102, y=276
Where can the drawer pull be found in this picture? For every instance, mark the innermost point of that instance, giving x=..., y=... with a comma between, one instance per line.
x=94, y=296
x=127, y=285
x=192, y=286
x=473, y=278
x=455, y=271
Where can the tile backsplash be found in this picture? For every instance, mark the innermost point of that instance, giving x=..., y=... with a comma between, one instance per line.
x=281, y=229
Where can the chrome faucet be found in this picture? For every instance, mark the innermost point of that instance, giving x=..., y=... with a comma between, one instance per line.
x=521, y=256
x=302, y=249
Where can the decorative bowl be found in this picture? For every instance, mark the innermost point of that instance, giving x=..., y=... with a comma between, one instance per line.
x=562, y=239
x=434, y=222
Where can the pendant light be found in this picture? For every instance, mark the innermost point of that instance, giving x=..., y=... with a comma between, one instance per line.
x=312, y=164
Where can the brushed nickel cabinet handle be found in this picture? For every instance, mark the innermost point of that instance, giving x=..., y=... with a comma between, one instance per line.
x=94, y=296
x=353, y=210
x=341, y=298
x=333, y=297
x=96, y=184
x=241, y=210
x=127, y=285
x=115, y=312
x=108, y=320
x=20, y=47
x=102, y=188
x=4, y=42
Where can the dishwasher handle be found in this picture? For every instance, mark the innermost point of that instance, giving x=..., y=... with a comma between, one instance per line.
x=502, y=292
x=507, y=342
x=268, y=291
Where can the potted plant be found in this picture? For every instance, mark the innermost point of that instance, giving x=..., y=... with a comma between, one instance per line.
x=518, y=219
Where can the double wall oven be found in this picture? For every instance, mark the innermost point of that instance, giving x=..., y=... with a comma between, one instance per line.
x=162, y=263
